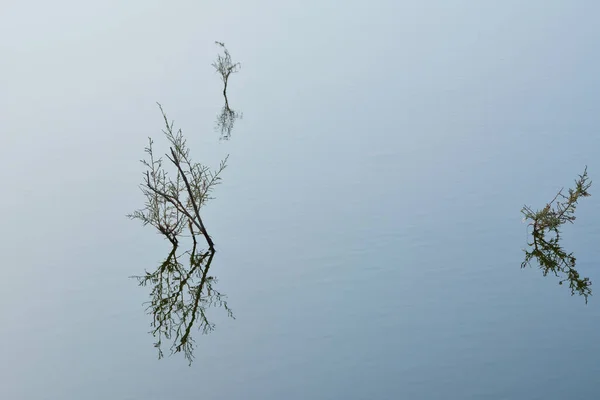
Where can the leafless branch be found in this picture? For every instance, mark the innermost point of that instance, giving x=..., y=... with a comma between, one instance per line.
x=225, y=67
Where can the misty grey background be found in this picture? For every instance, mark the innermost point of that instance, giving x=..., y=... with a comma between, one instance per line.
x=368, y=227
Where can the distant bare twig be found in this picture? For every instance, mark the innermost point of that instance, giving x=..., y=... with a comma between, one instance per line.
x=225, y=67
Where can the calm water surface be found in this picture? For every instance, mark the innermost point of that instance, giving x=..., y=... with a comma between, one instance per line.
x=368, y=230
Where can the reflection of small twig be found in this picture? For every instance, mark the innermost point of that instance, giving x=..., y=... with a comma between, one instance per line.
x=226, y=120
x=225, y=67
x=548, y=252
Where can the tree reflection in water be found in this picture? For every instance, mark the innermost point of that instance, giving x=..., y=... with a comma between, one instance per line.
x=182, y=291
x=546, y=246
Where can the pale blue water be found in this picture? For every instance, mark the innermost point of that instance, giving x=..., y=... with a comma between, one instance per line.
x=368, y=226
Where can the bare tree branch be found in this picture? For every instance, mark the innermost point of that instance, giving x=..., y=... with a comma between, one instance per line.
x=198, y=220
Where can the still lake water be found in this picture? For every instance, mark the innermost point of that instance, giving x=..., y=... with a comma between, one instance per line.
x=368, y=228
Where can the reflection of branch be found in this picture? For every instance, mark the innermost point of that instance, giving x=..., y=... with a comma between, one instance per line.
x=225, y=67
x=226, y=120
x=179, y=299
x=548, y=252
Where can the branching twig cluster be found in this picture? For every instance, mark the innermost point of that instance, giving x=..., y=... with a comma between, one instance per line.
x=180, y=293
x=225, y=67
x=547, y=250
x=171, y=204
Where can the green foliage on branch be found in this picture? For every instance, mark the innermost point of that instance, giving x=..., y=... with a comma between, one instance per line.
x=546, y=247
